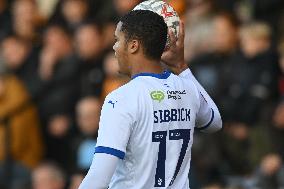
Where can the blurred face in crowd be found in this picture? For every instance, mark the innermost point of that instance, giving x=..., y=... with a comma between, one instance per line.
x=56, y=39
x=88, y=115
x=254, y=38
x=58, y=125
x=238, y=131
x=123, y=6
x=74, y=10
x=24, y=14
x=271, y=164
x=88, y=42
x=110, y=65
x=24, y=11
x=9, y=47
x=46, y=177
x=251, y=45
x=225, y=38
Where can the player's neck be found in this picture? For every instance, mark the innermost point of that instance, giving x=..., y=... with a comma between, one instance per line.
x=146, y=66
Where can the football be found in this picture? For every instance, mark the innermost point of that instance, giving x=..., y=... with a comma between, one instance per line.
x=165, y=10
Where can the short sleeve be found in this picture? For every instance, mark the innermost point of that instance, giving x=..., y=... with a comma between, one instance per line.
x=205, y=114
x=208, y=118
x=116, y=123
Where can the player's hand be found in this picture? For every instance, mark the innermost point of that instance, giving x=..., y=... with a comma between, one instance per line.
x=173, y=57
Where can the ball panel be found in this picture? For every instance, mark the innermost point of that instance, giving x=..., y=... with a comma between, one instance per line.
x=162, y=8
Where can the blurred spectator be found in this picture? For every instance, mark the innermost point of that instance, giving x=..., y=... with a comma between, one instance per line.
x=255, y=39
x=58, y=69
x=210, y=67
x=235, y=152
x=21, y=147
x=113, y=80
x=198, y=38
x=225, y=33
x=88, y=42
x=206, y=168
x=108, y=30
x=23, y=63
x=23, y=123
x=269, y=12
x=13, y=44
x=199, y=28
x=260, y=10
x=199, y=9
x=88, y=115
x=25, y=19
x=123, y=6
x=58, y=139
x=270, y=174
x=252, y=76
x=58, y=72
x=71, y=14
x=75, y=12
x=48, y=176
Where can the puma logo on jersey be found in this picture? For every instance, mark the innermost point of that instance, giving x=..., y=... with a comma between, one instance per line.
x=112, y=103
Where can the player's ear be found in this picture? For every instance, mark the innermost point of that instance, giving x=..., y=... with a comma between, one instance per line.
x=133, y=46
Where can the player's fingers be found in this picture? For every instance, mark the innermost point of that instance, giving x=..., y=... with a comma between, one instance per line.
x=172, y=38
x=181, y=33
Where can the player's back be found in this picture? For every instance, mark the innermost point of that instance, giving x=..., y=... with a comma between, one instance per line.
x=158, y=152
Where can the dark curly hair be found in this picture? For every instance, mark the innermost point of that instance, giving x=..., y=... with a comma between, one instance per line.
x=147, y=27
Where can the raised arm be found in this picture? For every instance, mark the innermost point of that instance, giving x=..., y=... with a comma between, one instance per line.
x=173, y=58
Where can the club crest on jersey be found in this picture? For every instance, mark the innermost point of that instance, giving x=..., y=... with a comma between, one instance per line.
x=112, y=103
x=157, y=95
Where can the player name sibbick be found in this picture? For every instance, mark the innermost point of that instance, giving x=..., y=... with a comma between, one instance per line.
x=161, y=116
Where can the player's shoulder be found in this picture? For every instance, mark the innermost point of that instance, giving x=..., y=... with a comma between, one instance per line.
x=127, y=91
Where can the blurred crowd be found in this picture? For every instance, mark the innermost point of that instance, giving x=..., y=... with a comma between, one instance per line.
x=57, y=65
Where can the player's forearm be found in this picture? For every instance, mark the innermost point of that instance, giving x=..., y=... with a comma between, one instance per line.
x=100, y=172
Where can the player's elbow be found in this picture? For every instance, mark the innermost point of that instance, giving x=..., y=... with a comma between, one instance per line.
x=214, y=126
x=218, y=124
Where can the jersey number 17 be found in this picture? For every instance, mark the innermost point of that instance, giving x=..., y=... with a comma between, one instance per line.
x=161, y=137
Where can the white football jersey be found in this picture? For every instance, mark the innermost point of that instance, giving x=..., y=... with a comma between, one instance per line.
x=149, y=123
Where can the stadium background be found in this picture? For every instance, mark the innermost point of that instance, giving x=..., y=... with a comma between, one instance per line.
x=57, y=65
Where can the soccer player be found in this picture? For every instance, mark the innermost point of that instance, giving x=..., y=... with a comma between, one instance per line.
x=146, y=126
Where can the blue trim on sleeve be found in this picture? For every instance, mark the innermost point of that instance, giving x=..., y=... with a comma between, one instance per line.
x=111, y=151
x=163, y=75
x=209, y=123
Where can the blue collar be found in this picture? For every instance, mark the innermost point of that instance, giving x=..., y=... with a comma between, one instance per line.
x=163, y=75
